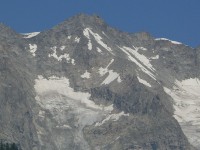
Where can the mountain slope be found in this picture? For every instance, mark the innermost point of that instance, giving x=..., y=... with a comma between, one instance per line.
x=93, y=87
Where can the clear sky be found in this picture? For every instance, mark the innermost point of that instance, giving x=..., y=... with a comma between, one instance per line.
x=174, y=19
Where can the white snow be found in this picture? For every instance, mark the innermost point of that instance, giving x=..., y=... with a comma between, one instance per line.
x=155, y=57
x=42, y=114
x=77, y=39
x=143, y=82
x=90, y=45
x=164, y=39
x=69, y=109
x=64, y=56
x=140, y=57
x=69, y=37
x=119, y=80
x=142, y=48
x=59, y=58
x=86, y=75
x=73, y=62
x=87, y=34
x=61, y=86
x=111, y=74
x=98, y=38
x=186, y=96
x=113, y=117
x=62, y=48
x=103, y=71
x=99, y=50
x=30, y=35
x=143, y=62
x=111, y=77
x=105, y=34
x=33, y=48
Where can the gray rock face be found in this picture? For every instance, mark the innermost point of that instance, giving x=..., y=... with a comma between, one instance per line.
x=86, y=86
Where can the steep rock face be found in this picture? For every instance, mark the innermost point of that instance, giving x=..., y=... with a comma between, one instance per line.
x=84, y=85
x=17, y=93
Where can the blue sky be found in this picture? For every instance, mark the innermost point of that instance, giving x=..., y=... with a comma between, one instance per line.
x=174, y=19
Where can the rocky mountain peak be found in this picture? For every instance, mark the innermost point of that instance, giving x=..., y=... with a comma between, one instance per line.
x=84, y=85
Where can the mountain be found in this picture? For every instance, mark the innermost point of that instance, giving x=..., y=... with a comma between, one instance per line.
x=84, y=85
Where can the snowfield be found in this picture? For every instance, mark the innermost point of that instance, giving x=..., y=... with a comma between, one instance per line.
x=186, y=96
x=57, y=97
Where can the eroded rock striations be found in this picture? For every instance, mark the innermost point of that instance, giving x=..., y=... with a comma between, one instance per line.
x=86, y=86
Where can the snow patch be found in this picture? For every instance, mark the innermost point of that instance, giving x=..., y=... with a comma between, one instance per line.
x=87, y=35
x=69, y=37
x=30, y=35
x=164, y=39
x=155, y=57
x=77, y=39
x=111, y=74
x=61, y=86
x=33, y=48
x=98, y=38
x=69, y=109
x=186, y=98
x=59, y=58
x=119, y=80
x=62, y=48
x=105, y=34
x=99, y=50
x=142, y=48
x=64, y=56
x=73, y=62
x=143, y=82
x=103, y=71
x=86, y=75
x=89, y=45
x=140, y=60
x=111, y=77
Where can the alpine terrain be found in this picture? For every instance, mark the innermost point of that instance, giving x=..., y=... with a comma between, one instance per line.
x=83, y=85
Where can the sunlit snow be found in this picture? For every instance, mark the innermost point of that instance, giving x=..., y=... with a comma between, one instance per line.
x=86, y=75
x=111, y=74
x=164, y=39
x=186, y=96
x=98, y=38
x=140, y=60
x=64, y=56
x=155, y=57
x=111, y=77
x=55, y=96
x=143, y=82
x=119, y=79
x=77, y=39
x=62, y=48
x=142, y=48
x=30, y=35
x=99, y=50
x=73, y=61
x=33, y=48
x=87, y=34
x=69, y=37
